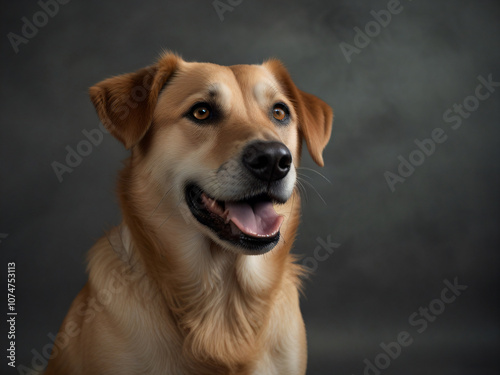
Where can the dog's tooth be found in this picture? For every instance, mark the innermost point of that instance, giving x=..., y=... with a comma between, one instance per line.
x=234, y=229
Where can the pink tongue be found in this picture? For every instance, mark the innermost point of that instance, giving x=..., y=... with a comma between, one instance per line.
x=258, y=220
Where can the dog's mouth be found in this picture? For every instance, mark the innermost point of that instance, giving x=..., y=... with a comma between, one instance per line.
x=251, y=223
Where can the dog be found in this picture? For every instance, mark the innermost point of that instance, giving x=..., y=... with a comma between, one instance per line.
x=198, y=278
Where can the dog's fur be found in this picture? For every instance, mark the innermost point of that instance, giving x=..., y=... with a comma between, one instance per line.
x=165, y=294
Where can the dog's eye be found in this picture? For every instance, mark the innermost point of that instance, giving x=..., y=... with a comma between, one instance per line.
x=201, y=111
x=280, y=112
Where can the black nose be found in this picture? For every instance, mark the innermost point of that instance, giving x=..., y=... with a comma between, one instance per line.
x=268, y=161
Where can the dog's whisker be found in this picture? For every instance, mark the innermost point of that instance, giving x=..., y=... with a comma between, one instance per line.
x=316, y=191
x=303, y=175
x=301, y=188
x=315, y=171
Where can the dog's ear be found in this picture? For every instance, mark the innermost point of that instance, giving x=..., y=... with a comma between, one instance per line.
x=125, y=103
x=315, y=116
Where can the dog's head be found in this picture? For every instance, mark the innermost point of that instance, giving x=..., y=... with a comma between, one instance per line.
x=222, y=142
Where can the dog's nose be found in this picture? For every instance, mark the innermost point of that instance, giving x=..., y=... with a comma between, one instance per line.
x=268, y=161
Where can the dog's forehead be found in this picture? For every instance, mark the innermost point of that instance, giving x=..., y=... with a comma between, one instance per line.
x=217, y=80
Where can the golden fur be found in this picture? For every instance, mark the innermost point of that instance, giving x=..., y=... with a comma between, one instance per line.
x=165, y=295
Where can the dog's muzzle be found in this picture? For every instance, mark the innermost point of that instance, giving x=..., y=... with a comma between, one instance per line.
x=249, y=221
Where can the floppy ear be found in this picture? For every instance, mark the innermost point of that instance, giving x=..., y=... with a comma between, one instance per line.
x=125, y=103
x=315, y=116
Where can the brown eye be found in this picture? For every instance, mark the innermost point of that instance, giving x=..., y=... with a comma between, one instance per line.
x=201, y=113
x=280, y=112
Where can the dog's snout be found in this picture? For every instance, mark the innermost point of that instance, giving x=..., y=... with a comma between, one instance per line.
x=268, y=161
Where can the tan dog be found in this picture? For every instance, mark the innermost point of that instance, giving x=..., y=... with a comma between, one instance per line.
x=199, y=278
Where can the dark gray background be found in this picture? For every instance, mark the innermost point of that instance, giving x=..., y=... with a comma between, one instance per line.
x=396, y=247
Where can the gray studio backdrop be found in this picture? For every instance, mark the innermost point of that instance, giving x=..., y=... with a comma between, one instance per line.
x=403, y=238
